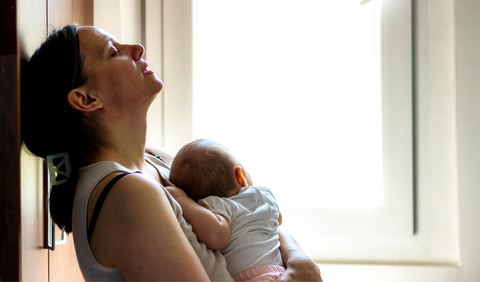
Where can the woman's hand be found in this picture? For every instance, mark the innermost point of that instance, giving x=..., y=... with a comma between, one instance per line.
x=299, y=266
x=301, y=270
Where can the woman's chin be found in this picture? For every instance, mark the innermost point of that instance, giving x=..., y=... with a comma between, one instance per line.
x=156, y=92
x=159, y=86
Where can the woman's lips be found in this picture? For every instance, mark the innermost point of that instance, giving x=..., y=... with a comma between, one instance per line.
x=147, y=71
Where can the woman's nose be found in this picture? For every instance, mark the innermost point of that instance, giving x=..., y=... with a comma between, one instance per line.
x=138, y=51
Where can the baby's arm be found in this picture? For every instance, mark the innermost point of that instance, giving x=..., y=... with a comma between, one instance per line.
x=212, y=229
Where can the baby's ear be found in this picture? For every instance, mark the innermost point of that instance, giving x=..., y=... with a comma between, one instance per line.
x=239, y=177
x=80, y=99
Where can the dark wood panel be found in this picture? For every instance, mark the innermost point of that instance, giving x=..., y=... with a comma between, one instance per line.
x=32, y=27
x=8, y=27
x=22, y=256
x=64, y=12
x=10, y=145
x=88, y=12
x=63, y=261
x=78, y=12
x=34, y=256
x=9, y=169
x=60, y=13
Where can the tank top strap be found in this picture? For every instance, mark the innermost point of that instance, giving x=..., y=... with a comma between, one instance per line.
x=100, y=201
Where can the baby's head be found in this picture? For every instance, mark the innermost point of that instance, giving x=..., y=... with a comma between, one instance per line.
x=205, y=168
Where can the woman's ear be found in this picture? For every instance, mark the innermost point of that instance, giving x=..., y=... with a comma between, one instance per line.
x=239, y=177
x=81, y=100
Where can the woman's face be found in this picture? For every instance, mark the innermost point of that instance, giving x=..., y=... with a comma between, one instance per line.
x=116, y=73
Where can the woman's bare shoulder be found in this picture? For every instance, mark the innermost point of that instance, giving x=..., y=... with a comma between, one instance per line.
x=135, y=187
x=135, y=223
x=130, y=186
x=125, y=202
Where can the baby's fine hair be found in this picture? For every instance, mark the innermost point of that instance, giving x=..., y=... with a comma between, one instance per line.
x=204, y=168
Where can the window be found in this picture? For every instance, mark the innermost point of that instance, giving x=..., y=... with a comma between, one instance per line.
x=293, y=91
x=383, y=234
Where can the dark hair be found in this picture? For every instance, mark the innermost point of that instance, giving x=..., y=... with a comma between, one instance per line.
x=49, y=124
x=204, y=168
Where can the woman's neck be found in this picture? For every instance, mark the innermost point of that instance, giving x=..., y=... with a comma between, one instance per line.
x=122, y=140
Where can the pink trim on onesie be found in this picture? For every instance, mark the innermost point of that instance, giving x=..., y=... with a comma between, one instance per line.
x=260, y=273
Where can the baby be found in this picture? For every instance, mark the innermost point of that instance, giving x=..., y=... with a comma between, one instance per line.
x=239, y=220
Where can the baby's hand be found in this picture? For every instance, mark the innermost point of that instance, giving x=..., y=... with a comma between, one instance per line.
x=176, y=192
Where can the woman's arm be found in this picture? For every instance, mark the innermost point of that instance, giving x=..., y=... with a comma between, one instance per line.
x=212, y=229
x=299, y=266
x=138, y=232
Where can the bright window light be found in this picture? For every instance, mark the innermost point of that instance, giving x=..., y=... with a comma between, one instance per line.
x=291, y=87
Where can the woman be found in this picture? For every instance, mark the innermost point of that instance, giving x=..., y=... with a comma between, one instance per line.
x=86, y=96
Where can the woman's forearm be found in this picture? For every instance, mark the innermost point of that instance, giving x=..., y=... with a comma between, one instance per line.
x=299, y=266
x=290, y=249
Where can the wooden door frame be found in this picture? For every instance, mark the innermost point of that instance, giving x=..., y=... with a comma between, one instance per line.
x=10, y=217
x=10, y=140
